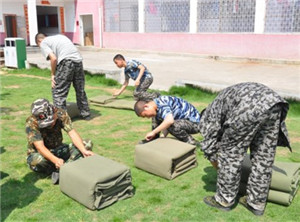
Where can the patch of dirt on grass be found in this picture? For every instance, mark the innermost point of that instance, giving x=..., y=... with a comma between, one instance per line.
x=294, y=139
x=283, y=152
x=12, y=87
x=28, y=76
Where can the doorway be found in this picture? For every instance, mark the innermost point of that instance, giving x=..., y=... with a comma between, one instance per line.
x=86, y=30
x=10, y=25
x=48, y=21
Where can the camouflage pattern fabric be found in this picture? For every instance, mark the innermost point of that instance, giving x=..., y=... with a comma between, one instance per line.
x=181, y=129
x=244, y=115
x=52, y=137
x=43, y=111
x=68, y=72
x=140, y=92
x=68, y=153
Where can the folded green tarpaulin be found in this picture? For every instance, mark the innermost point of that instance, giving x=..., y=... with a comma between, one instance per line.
x=111, y=102
x=95, y=181
x=103, y=99
x=285, y=175
x=284, y=184
x=275, y=196
x=165, y=157
x=72, y=109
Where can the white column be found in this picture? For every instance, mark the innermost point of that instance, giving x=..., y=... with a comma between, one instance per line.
x=260, y=15
x=193, y=16
x=141, y=16
x=32, y=21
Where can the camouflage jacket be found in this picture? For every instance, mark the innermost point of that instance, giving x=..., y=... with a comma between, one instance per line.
x=237, y=107
x=52, y=137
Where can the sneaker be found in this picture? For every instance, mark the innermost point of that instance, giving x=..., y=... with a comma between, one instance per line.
x=55, y=177
x=87, y=118
x=211, y=201
x=243, y=201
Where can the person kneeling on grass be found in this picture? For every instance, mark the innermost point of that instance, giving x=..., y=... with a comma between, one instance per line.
x=241, y=116
x=140, y=74
x=46, y=152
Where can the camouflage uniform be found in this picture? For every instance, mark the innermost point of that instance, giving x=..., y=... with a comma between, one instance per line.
x=52, y=138
x=244, y=115
x=132, y=71
x=186, y=117
x=68, y=72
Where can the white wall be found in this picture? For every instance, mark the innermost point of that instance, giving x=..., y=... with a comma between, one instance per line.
x=70, y=16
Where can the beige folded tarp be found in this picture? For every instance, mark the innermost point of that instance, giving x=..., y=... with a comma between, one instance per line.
x=112, y=102
x=165, y=157
x=72, y=110
x=95, y=181
x=284, y=184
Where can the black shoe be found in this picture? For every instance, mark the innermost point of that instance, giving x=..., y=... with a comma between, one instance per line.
x=55, y=177
x=243, y=201
x=211, y=201
x=87, y=118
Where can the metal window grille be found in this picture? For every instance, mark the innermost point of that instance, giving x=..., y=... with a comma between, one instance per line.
x=121, y=15
x=167, y=15
x=226, y=15
x=282, y=16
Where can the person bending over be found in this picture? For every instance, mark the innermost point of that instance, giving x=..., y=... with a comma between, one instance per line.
x=140, y=74
x=46, y=150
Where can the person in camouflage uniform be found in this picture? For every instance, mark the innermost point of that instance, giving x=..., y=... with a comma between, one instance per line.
x=46, y=151
x=243, y=115
x=66, y=68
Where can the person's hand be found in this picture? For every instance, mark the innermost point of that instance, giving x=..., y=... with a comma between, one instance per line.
x=116, y=93
x=53, y=81
x=137, y=82
x=59, y=163
x=150, y=136
x=87, y=153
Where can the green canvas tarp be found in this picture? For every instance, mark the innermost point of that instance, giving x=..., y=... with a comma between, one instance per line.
x=72, y=110
x=95, y=181
x=284, y=184
x=112, y=102
x=165, y=157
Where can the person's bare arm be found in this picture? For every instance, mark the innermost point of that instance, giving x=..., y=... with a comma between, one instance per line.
x=77, y=141
x=53, y=62
x=168, y=121
x=42, y=149
x=138, y=79
x=214, y=164
x=119, y=92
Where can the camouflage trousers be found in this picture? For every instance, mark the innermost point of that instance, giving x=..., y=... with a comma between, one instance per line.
x=68, y=72
x=262, y=139
x=181, y=129
x=140, y=92
x=68, y=153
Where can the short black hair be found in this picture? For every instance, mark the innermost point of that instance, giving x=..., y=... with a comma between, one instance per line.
x=139, y=107
x=119, y=57
x=38, y=36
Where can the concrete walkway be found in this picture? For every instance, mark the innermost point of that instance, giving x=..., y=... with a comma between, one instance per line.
x=178, y=69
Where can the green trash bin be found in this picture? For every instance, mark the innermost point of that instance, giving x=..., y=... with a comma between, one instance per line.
x=15, y=52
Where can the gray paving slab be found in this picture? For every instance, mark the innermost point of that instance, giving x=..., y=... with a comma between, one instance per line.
x=171, y=69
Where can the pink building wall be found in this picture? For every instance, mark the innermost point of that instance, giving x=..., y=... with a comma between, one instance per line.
x=270, y=46
x=87, y=7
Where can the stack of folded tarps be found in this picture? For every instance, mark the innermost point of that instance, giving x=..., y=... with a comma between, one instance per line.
x=284, y=184
x=95, y=181
x=72, y=110
x=113, y=102
x=165, y=157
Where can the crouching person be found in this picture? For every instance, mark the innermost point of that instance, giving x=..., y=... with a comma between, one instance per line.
x=46, y=151
x=170, y=115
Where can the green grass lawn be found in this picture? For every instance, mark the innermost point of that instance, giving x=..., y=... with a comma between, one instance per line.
x=27, y=196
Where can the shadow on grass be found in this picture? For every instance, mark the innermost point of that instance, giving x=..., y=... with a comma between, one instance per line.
x=210, y=179
x=94, y=113
x=19, y=193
